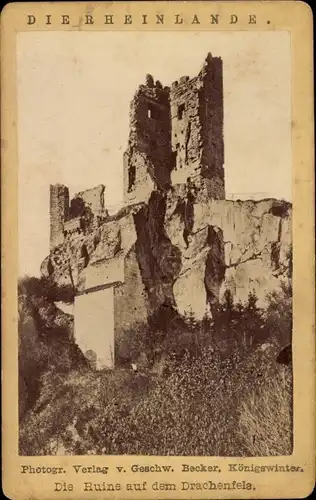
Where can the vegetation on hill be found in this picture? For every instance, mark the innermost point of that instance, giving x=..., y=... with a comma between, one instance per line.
x=45, y=337
x=202, y=388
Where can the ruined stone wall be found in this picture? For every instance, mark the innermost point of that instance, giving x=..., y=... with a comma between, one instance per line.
x=186, y=129
x=72, y=226
x=81, y=215
x=106, y=272
x=147, y=159
x=59, y=208
x=197, y=130
x=212, y=118
x=98, y=250
x=94, y=198
x=94, y=326
x=138, y=183
x=177, y=134
x=130, y=298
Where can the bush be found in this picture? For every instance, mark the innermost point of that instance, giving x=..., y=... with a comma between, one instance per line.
x=279, y=315
x=45, y=339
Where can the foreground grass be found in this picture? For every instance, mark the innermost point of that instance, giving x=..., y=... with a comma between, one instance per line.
x=265, y=422
x=209, y=405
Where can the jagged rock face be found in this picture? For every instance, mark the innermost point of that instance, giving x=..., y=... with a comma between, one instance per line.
x=178, y=251
x=242, y=246
x=159, y=260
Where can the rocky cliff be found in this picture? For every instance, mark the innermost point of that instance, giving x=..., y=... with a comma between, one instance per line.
x=175, y=250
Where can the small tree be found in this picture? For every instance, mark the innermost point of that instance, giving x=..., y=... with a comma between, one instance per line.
x=252, y=302
x=228, y=304
x=255, y=331
x=279, y=314
x=191, y=320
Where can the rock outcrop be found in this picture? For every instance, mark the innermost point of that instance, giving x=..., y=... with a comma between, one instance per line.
x=173, y=250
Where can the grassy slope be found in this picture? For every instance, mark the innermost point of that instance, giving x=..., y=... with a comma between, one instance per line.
x=219, y=391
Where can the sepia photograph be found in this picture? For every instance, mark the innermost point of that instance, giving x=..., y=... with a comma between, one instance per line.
x=155, y=243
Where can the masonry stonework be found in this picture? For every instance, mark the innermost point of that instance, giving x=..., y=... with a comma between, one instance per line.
x=94, y=198
x=59, y=208
x=147, y=158
x=197, y=130
x=84, y=212
x=176, y=136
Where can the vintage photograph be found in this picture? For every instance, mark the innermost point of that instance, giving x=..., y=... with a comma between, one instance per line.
x=155, y=243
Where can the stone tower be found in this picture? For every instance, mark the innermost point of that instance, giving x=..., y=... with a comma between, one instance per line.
x=197, y=130
x=148, y=155
x=59, y=208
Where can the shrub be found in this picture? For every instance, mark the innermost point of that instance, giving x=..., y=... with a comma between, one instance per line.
x=279, y=314
x=45, y=339
x=45, y=289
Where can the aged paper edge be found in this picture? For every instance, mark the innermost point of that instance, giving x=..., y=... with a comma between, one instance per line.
x=293, y=16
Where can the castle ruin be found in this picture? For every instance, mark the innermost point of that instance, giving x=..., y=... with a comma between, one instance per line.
x=81, y=214
x=176, y=241
x=176, y=136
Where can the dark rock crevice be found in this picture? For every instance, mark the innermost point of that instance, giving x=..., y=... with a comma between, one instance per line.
x=275, y=255
x=214, y=267
x=188, y=217
x=159, y=261
x=185, y=209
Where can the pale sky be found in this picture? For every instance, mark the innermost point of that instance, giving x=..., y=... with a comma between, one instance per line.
x=74, y=90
